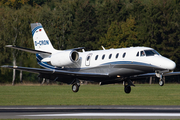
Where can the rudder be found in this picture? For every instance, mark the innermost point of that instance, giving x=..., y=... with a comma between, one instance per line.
x=40, y=38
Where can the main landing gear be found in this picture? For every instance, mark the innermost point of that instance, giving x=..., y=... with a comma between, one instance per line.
x=127, y=86
x=127, y=89
x=75, y=86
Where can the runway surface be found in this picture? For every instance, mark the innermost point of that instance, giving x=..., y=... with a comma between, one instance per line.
x=106, y=112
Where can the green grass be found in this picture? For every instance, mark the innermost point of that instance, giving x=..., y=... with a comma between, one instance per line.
x=142, y=94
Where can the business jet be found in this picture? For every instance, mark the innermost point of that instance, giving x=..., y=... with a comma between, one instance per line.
x=106, y=66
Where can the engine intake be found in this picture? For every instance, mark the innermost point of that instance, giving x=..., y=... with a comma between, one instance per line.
x=64, y=58
x=74, y=56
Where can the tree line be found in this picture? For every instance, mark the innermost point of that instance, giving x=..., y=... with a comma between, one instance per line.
x=89, y=24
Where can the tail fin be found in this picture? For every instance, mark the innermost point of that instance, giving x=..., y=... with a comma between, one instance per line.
x=40, y=38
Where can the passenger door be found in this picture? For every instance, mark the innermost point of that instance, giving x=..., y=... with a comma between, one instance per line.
x=88, y=58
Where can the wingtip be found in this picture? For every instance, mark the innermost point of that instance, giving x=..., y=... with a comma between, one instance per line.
x=9, y=46
x=5, y=66
x=8, y=66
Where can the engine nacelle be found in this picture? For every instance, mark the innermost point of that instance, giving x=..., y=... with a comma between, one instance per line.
x=64, y=58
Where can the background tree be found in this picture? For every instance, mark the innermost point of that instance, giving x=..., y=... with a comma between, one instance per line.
x=83, y=24
x=120, y=34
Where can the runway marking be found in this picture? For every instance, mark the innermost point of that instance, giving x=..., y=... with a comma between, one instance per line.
x=107, y=114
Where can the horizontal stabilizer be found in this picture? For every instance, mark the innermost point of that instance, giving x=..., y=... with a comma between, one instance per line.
x=28, y=69
x=27, y=49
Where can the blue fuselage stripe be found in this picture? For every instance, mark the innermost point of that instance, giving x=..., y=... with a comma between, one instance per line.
x=43, y=64
x=127, y=63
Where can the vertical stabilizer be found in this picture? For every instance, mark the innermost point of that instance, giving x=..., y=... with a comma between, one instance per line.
x=40, y=38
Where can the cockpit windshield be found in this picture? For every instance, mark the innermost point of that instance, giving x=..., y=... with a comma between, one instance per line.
x=151, y=52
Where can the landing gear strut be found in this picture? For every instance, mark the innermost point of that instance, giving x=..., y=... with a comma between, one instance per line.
x=127, y=86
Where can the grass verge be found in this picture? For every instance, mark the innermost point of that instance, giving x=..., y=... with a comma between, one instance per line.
x=142, y=94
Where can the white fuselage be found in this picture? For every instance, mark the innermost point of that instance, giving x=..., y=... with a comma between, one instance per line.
x=130, y=55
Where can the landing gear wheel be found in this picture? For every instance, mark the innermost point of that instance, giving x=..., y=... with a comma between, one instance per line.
x=75, y=88
x=161, y=82
x=127, y=89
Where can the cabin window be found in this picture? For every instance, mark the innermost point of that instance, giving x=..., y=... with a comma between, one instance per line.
x=103, y=56
x=117, y=55
x=110, y=56
x=143, y=53
x=137, y=54
x=96, y=57
x=124, y=55
x=88, y=58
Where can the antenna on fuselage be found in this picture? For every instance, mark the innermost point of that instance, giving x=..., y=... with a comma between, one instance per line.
x=83, y=50
x=103, y=48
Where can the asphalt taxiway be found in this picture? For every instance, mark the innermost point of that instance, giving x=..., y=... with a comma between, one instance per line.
x=90, y=112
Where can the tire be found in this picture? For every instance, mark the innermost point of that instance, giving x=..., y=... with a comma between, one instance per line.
x=161, y=82
x=75, y=88
x=127, y=89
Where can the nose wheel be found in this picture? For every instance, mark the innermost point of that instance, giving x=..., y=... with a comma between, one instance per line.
x=161, y=82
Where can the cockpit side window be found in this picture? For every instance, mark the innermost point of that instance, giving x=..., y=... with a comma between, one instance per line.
x=156, y=52
x=143, y=53
x=151, y=52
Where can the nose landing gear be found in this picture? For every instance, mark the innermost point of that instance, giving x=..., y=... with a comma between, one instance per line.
x=159, y=74
x=161, y=81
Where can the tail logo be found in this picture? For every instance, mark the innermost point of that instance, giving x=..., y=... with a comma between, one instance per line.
x=41, y=42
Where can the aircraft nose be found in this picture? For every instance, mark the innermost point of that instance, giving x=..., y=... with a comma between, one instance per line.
x=171, y=65
x=166, y=63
